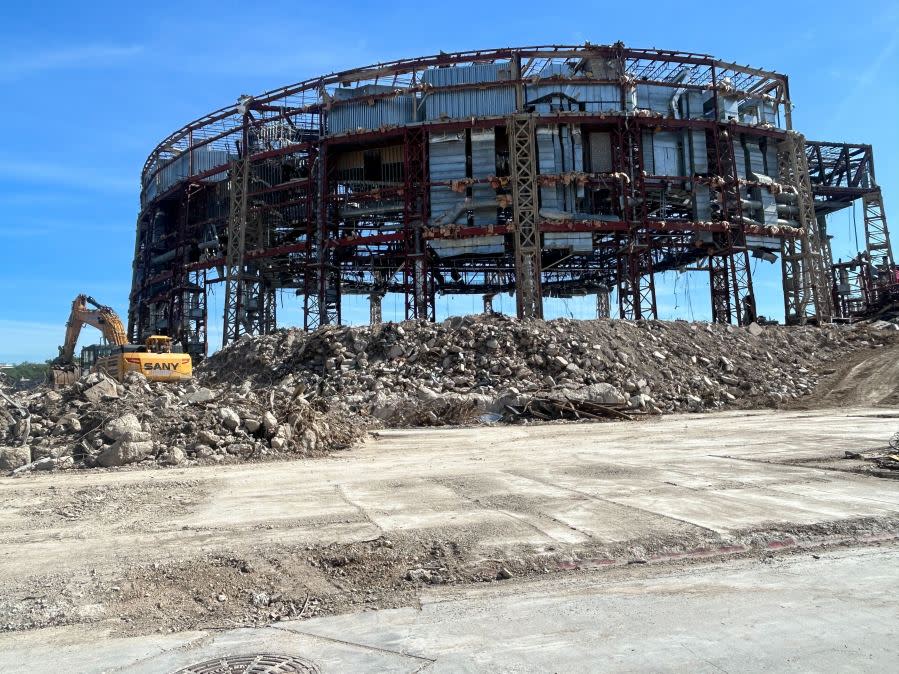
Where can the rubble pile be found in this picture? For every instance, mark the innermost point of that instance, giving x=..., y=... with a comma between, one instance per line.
x=298, y=394
x=417, y=373
x=98, y=422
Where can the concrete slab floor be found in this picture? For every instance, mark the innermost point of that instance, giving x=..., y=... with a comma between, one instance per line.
x=507, y=491
x=508, y=486
x=834, y=611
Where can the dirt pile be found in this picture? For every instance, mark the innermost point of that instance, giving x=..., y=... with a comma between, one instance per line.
x=419, y=373
x=98, y=422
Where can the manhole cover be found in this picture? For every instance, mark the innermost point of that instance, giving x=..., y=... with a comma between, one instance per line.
x=263, y=663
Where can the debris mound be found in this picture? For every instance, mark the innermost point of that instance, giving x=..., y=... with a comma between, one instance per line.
x=419, y=373
x=98, y=422
x=297, y=394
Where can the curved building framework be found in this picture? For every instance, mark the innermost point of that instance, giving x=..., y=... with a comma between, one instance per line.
x=543, y=171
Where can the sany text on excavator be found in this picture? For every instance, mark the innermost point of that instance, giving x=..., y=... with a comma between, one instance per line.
x=116, y=357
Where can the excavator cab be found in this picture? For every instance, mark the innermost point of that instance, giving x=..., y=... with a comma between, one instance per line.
x=159, y=344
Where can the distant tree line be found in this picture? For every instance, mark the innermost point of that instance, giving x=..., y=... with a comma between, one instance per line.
x=25, y=370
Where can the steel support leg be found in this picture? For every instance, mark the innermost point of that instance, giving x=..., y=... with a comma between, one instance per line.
x=523, y=164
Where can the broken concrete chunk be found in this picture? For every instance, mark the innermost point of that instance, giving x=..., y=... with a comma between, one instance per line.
x=270, y=422
x=127, y=423
x=14, y=457
x=230, y=418
x=123, y=452
x=102, y=390
x=173, y=457
x=200, y=396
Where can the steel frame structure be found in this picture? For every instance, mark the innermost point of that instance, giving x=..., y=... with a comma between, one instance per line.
x=271, y=194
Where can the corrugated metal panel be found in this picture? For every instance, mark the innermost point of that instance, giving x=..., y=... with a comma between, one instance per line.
x=769, y=207
x=649, y=160
x=767, y=243
x=667, y=153
x=483, y=165
x=729, y=108
x=171, y=174
x=600, y=144
x=593, y=97
x=475, y=245
x=470, y=74
x=702, y=204
x=577, y=144
x=349, y=93
x=446, y=161
x=700, y=154
x=576, y=242
x=692, y=103
x=655, y=98
x=347, y=161
x=205, y=160
x=364, y=115
x=468, y=103
x=739, y=157
x=771, y=153
x=756, y=158
x=569, y=157
x=546, y=164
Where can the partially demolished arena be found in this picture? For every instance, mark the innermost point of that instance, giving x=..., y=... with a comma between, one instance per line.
x=539, y=171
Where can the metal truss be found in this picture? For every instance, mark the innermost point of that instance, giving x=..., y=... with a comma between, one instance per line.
x=603, y=307
x=877, y=234
x=249, y=300
x=730, y=278
x=234, y=258
x=636, y=287
x=417, y=281
x=806, y=280
x=636, y=274
x=523, y=165
x=187, y=294
x=322, y=300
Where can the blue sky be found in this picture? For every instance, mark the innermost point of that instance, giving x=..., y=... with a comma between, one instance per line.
x=90, y=88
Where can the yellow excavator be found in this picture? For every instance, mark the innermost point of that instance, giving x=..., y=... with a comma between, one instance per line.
x=116, y=357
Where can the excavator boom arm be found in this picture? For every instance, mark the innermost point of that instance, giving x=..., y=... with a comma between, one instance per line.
x=87, y=311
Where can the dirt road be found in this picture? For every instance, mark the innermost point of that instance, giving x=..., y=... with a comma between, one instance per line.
x=868, y=377
x=171, y=550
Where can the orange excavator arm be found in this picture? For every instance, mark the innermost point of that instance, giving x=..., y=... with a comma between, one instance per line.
x=87, y=311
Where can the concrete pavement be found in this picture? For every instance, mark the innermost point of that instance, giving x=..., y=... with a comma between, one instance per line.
x=795, y=613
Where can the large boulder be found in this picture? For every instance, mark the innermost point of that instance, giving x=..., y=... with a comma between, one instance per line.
x=604, y=394
x=14, y=457
x=127, y=423
x=123, y=452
